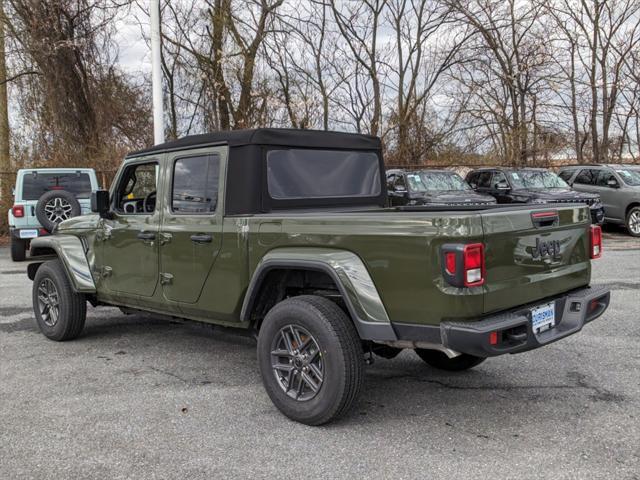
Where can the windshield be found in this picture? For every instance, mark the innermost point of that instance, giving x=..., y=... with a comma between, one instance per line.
x=436, y=181
x=35, y=184
x=536, y=179
x=630, y=177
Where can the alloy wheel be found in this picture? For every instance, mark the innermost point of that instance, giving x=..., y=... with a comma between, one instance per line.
x=296, y=361
x=48, y=302
x=57, y=209
x=634, y=222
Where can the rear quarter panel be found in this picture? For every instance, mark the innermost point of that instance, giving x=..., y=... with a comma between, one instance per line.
x=400, y=252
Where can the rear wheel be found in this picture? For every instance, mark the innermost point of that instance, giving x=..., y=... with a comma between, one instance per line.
x=310, y=359
x=633, y=221
x=60, y=312
x=441, y=361
x=18, y=249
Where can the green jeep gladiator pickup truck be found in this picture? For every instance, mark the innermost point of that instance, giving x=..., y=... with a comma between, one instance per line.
x=286, y=233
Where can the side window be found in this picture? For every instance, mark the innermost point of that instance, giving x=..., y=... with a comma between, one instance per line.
x=399, y=183
x=566, y=175
x=499, y=178
x=604, y=177
x=136, y=192
x=472, y=179
x=586, y=177
x=484, y=180
x=390, y=180
x=195, y=184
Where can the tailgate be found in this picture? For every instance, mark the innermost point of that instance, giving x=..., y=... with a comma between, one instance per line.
x=533, y=253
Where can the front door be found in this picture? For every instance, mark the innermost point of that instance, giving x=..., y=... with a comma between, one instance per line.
x=500, y=188
x=191, y=233
x=608, y=186
x=130, y=247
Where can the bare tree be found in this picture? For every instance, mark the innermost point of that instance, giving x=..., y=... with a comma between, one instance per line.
x=359, y=22
x=509, y=48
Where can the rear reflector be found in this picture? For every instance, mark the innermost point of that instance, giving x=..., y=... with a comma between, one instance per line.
x=473, y=261
x=493, y=338
x=596, y=241
x=450, y=262
x=18, y=211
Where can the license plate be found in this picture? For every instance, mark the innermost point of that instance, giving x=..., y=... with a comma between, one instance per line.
x=543, y=318
x=28, y=233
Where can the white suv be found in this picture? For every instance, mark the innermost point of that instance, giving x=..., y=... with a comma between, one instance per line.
x=44, y=197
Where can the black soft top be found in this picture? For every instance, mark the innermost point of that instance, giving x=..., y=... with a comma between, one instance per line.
x=246, y=186
x=270, y=136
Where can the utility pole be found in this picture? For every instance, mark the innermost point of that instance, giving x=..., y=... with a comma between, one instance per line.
x=156, y=74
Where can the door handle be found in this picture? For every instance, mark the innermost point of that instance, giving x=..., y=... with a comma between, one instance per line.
x=201, y=238
x=146, y=236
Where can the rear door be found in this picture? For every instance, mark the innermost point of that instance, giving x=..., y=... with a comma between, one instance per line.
x=191, y=233
x=531, y=254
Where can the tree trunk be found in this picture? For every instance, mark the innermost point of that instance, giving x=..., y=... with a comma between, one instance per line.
x=5, y=159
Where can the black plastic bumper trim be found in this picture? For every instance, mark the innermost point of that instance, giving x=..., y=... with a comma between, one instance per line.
x=515, y=335
x=573, y=311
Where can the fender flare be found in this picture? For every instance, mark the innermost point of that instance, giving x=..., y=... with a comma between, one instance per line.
x=350, y=276
x=70, y=250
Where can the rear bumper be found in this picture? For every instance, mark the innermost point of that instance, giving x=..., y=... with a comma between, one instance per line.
x=15, y=233
x=512, y=331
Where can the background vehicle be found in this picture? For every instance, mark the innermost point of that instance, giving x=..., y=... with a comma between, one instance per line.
x=617, y=185
x=441, y=187
x=286, y=232
x=531, y=185
x=43, y=197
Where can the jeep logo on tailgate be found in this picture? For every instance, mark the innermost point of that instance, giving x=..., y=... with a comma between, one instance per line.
x=542, y=248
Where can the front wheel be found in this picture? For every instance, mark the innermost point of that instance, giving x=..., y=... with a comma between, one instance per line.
x=440, y=360
x=310, y=359
x=60, y=312
x=18, y=249
x=633, y=221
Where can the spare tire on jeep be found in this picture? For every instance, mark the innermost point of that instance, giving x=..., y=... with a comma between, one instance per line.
x=55, y=206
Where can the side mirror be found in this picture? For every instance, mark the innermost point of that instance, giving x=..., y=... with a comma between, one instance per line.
x=612, y=183
x=502, y=186
x=100, y=203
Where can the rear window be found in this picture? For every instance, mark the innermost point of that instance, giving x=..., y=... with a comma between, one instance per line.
x=35, y=184
x=304, y=173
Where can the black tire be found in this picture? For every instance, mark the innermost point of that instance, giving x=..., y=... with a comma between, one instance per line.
x=18, y=249
x=72, y=306
x=440, y=360
x=340, y=351
x=633, y=221
x=60, y=204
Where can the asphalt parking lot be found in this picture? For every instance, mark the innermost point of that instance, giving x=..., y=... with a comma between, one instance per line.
x=138, y=397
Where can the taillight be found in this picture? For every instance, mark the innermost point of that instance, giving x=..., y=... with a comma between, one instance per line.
x=463, y=265
x=18, y=211
x=596, y=241
x=473, y=261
